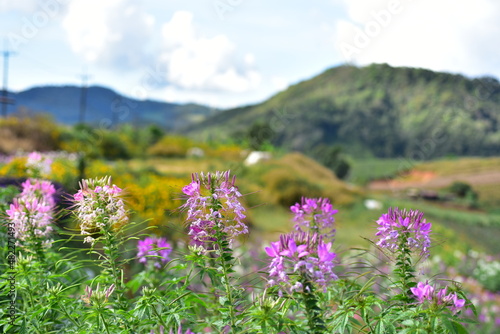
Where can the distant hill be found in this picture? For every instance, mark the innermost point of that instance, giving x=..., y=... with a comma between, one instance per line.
x=104, y=106
x=375, y=110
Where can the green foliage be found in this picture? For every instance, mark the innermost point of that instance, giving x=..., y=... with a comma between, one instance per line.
x=375, y=110
x=365, y=170
x=221, y=289
x=460, y=189
x=113, y=147
x=7, y=194
x=333, y=158
x=171, y=147
x=287, y=189
x=258, y=136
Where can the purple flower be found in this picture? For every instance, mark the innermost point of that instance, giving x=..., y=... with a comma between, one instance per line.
x=179, y=331
x=425, y=292
x=154, y=250
x=213, y=206
x=300, y=256
x=316, y=215
x=98, y=205
x=32, y=211
x=401, y=227
x=450, y=300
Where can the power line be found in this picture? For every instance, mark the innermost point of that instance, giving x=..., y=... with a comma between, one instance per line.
x=4, y=99
x=83, y=96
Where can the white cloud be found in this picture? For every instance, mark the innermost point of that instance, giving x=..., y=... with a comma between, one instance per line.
x=446, y=35
x=110, y=32
x=194, y=61
x=24, y=6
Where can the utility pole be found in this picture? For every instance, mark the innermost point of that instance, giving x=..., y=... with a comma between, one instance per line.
x=83, y=96
x=4, y=100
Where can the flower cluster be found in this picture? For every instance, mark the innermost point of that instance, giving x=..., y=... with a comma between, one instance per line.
x=98, y=206
x=404, y=228
x=316, y=215
x=97, y=296
x=38, y=164
x=213, y=206
x=424, y=292
x=154, y=250
x=299, y=257
x=34, y=188
x=32, y=211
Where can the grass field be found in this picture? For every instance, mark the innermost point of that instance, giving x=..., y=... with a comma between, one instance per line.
x=366, y=170
x=455, y=229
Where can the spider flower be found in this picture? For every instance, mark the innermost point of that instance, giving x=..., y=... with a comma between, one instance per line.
x=44, y=190
x=298, y=257
x=426, y=292
x=98, y=296
x=154, y=250
x=404, y=228
x=213, y=206
x=316, y=215
x=98, y=205
x=32, y=211
x=38, y=164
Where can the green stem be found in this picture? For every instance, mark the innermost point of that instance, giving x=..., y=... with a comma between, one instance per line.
x=110, y=251
x=224, y=251
x=159, y=317
x=314, y=313
x=73, y=320
x=405, y=269
x=104, y=322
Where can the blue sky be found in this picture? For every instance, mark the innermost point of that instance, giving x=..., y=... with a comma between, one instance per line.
x=226, y=53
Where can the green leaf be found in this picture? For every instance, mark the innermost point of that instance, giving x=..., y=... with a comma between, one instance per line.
x=454, y=326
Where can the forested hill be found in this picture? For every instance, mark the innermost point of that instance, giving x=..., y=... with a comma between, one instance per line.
x=376, y=109
x=104, y=107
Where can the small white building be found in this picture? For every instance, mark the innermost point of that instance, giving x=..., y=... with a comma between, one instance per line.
x=372, y=204
x=195, y=152
x=257, y=156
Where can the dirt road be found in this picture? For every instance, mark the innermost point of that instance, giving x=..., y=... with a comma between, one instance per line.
x=429, y=180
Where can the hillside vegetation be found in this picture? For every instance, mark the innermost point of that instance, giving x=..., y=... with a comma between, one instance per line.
x=105, y=108
x=376, y=110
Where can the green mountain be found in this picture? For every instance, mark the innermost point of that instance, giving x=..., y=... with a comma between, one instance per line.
x=375, y=110
x=105, y=107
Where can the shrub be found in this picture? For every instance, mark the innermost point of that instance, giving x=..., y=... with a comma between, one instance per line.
x=171, y=147
x=27, y=132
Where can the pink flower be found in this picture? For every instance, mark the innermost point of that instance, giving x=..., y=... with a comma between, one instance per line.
x=423, y=292
x=32, y=211
x=38, y=164
x=402, y=226
x=213, y=205
x=297, y=256
x=315, y=215
x=154, y=250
